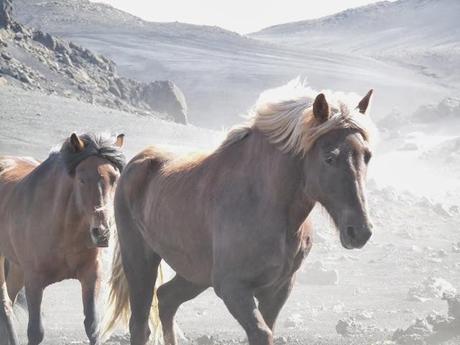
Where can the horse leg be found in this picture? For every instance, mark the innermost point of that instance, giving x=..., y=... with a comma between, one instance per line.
x=14, y=281
x=34, y=295
x=140, y=265
x=239, y=299
x=271, y=302
x=170, y=296
x=6, y=309
x=90, y=282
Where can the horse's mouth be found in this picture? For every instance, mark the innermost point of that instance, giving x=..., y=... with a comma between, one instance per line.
x=102, y=243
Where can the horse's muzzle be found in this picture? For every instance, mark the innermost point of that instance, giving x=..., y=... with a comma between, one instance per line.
x=100, y=237
x=355, y=237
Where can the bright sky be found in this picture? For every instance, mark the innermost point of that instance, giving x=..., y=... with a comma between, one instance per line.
x=242, y=16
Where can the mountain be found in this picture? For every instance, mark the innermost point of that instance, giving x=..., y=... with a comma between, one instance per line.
x=34, y=60
x=220, y=72
x=422, y=34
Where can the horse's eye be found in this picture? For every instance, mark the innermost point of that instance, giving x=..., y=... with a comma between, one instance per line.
x=329, y=159
x=81, y=180
x=367, y=157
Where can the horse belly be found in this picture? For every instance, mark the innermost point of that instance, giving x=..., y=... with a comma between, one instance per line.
x=187, y=252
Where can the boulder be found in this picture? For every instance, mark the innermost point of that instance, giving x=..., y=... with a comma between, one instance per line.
x=165, y=97
x=430, y=288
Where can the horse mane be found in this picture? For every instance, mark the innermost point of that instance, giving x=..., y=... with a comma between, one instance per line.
x=100, y=145
x=285, y=116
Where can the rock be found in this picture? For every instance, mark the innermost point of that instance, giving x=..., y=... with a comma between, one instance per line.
x=205, y=340
x=281, y=341
x=435, y=328
x=6, y=10
x=294, y=321
x=456, y=247
x=19, y=36
x=453, y=304
x=364, y=315
x=165, y=97
x=430, y=288
x=350, y=327
x=46, y=39
x=439, y=209
x=6, y=56
x=316, y=274
x=338, y=308
x=454, y=209
x=43, y=61
x=414, y=335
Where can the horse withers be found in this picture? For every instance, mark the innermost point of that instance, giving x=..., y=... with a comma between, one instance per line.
x=54, y=218
x=232, y=220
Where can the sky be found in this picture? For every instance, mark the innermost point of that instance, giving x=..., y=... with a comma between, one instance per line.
x=242, y=16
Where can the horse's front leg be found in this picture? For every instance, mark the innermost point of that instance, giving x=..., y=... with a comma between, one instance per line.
x=34, y=295
x=239, y=299
x=272, y=300
x=90, y=281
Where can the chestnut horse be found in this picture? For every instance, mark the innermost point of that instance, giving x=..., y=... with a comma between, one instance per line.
x=54, y=217
x=232, y=219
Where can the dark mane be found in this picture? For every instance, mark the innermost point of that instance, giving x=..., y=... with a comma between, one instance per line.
x=95, y=145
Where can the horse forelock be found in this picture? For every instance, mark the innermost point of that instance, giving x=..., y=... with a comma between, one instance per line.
x=285, y=116
x=100, y=145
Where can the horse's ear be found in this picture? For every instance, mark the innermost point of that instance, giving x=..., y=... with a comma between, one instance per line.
x=77, y=144
x=321, y=108
x=120, y=140
x=364, y=103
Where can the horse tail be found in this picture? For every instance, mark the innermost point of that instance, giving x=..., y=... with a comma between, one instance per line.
x=119, y=310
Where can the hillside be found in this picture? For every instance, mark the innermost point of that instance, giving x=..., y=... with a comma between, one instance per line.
x=35, y=60
x=421, y=34
x=221, y=72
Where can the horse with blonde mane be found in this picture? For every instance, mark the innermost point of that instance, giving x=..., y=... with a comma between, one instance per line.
x=54, y=218
x=232, y=220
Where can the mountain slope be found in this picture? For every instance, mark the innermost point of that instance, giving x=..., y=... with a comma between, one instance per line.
x=32, y=59
x=220, y=72
x=424, y=34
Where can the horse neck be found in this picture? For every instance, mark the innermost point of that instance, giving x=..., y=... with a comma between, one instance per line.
x=61, y=195
x=281, y=176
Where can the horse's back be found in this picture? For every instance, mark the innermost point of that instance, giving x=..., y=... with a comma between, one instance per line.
x=137, y=173
x=12, y=171
x=14, y=168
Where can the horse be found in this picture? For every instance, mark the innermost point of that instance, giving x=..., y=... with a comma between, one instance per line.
x=55, y=217
x=231, y=219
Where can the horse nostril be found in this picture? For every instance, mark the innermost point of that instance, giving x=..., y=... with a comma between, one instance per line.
x=96, y=232
x=350, y=231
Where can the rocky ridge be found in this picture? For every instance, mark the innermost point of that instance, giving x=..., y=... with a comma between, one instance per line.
x=33, y=59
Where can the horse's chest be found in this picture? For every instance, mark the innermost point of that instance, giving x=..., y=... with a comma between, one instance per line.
x=62, y=266
x=298, y=250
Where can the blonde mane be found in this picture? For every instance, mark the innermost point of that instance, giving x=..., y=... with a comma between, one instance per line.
x=285, y=116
